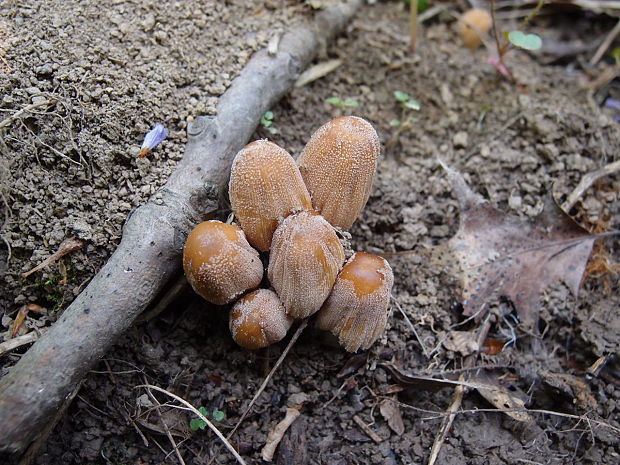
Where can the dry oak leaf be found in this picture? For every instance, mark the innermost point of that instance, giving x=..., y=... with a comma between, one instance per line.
x=497, y=254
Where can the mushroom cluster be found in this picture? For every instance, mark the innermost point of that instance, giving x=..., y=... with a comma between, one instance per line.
x=289, y=210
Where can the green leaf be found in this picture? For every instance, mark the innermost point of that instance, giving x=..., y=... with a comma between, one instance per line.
x=395, y=123
x=412, y=104
x=525, y=41
x=218, y=415
x=350, y=102
x=615, y=53
x=196, y=423
x=334, y=101
x=268, y=115
x=401, y=96
x=203, y=411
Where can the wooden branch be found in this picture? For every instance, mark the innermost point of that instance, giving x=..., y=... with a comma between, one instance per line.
x=153, y=236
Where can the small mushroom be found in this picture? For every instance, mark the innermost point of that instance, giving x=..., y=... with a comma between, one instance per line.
x=258, y=319
x=356, y=309
x=474, y=26
x=219, y=263
x=306, y=256
x=265, y=186
x=338, y=165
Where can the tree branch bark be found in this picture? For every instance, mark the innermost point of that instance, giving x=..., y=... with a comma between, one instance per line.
x=153, y=236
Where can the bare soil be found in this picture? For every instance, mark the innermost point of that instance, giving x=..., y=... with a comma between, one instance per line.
x=110, y=70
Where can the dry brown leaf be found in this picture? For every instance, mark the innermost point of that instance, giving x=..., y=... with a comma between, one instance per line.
x=463, y=342
x=391, y=412
x=500, y=397
x=496, y=254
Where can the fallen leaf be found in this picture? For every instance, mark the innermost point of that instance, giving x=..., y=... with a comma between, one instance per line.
x=496, y=254
x=463, y=342
x=500, y=397
x=391, y=412
x=572, y=387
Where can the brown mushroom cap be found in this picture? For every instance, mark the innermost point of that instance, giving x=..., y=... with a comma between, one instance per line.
x=306, y=256
x=219, y=263
x=356, y=309
x=265, y=186
x=258, y=319
x=338, y=165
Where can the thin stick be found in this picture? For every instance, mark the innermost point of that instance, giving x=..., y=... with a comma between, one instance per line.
x=457, y=398
x=411, y=326
x=605, y=45
x=201, y=416
x=18, y=114
x=413, y=25
x=67, y=246
x=170, y=438
x=12, y=344
x=262, y=387
x=588, y=180
x=369, y=432
x=172, y=293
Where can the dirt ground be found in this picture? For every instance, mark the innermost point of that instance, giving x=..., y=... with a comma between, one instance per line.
x=101, y=74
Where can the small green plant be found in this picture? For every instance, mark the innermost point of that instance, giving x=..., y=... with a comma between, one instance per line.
x=198, y=423
x=342, y=104
x=407, y=103
x=516, y=38
x=267, y=122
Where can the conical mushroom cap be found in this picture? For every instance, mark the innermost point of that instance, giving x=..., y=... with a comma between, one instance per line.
x=265, y=187
x=356, y=309
x=338, y=165
x=306, y=256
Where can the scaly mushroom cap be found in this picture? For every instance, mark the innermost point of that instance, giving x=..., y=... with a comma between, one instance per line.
x=338, y=165
x=265, y=186
x=219, y=263
x=259, y=319
x=306, y=256
x=356, y=309
x=474, y=25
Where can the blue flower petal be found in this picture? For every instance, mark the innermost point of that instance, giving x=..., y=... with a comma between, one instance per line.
x=154, y=137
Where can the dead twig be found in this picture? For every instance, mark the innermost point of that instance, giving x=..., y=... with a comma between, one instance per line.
x=28, y=108
x=366, y=429
x=14, y=343
x=275, y=435
x=457, y=398
x=166, y=429
x=67, y=246
x=606, y=43
x=411, y=326
x=199, y=415
x=262, y=387
x=172, y=293
x=587, y=181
